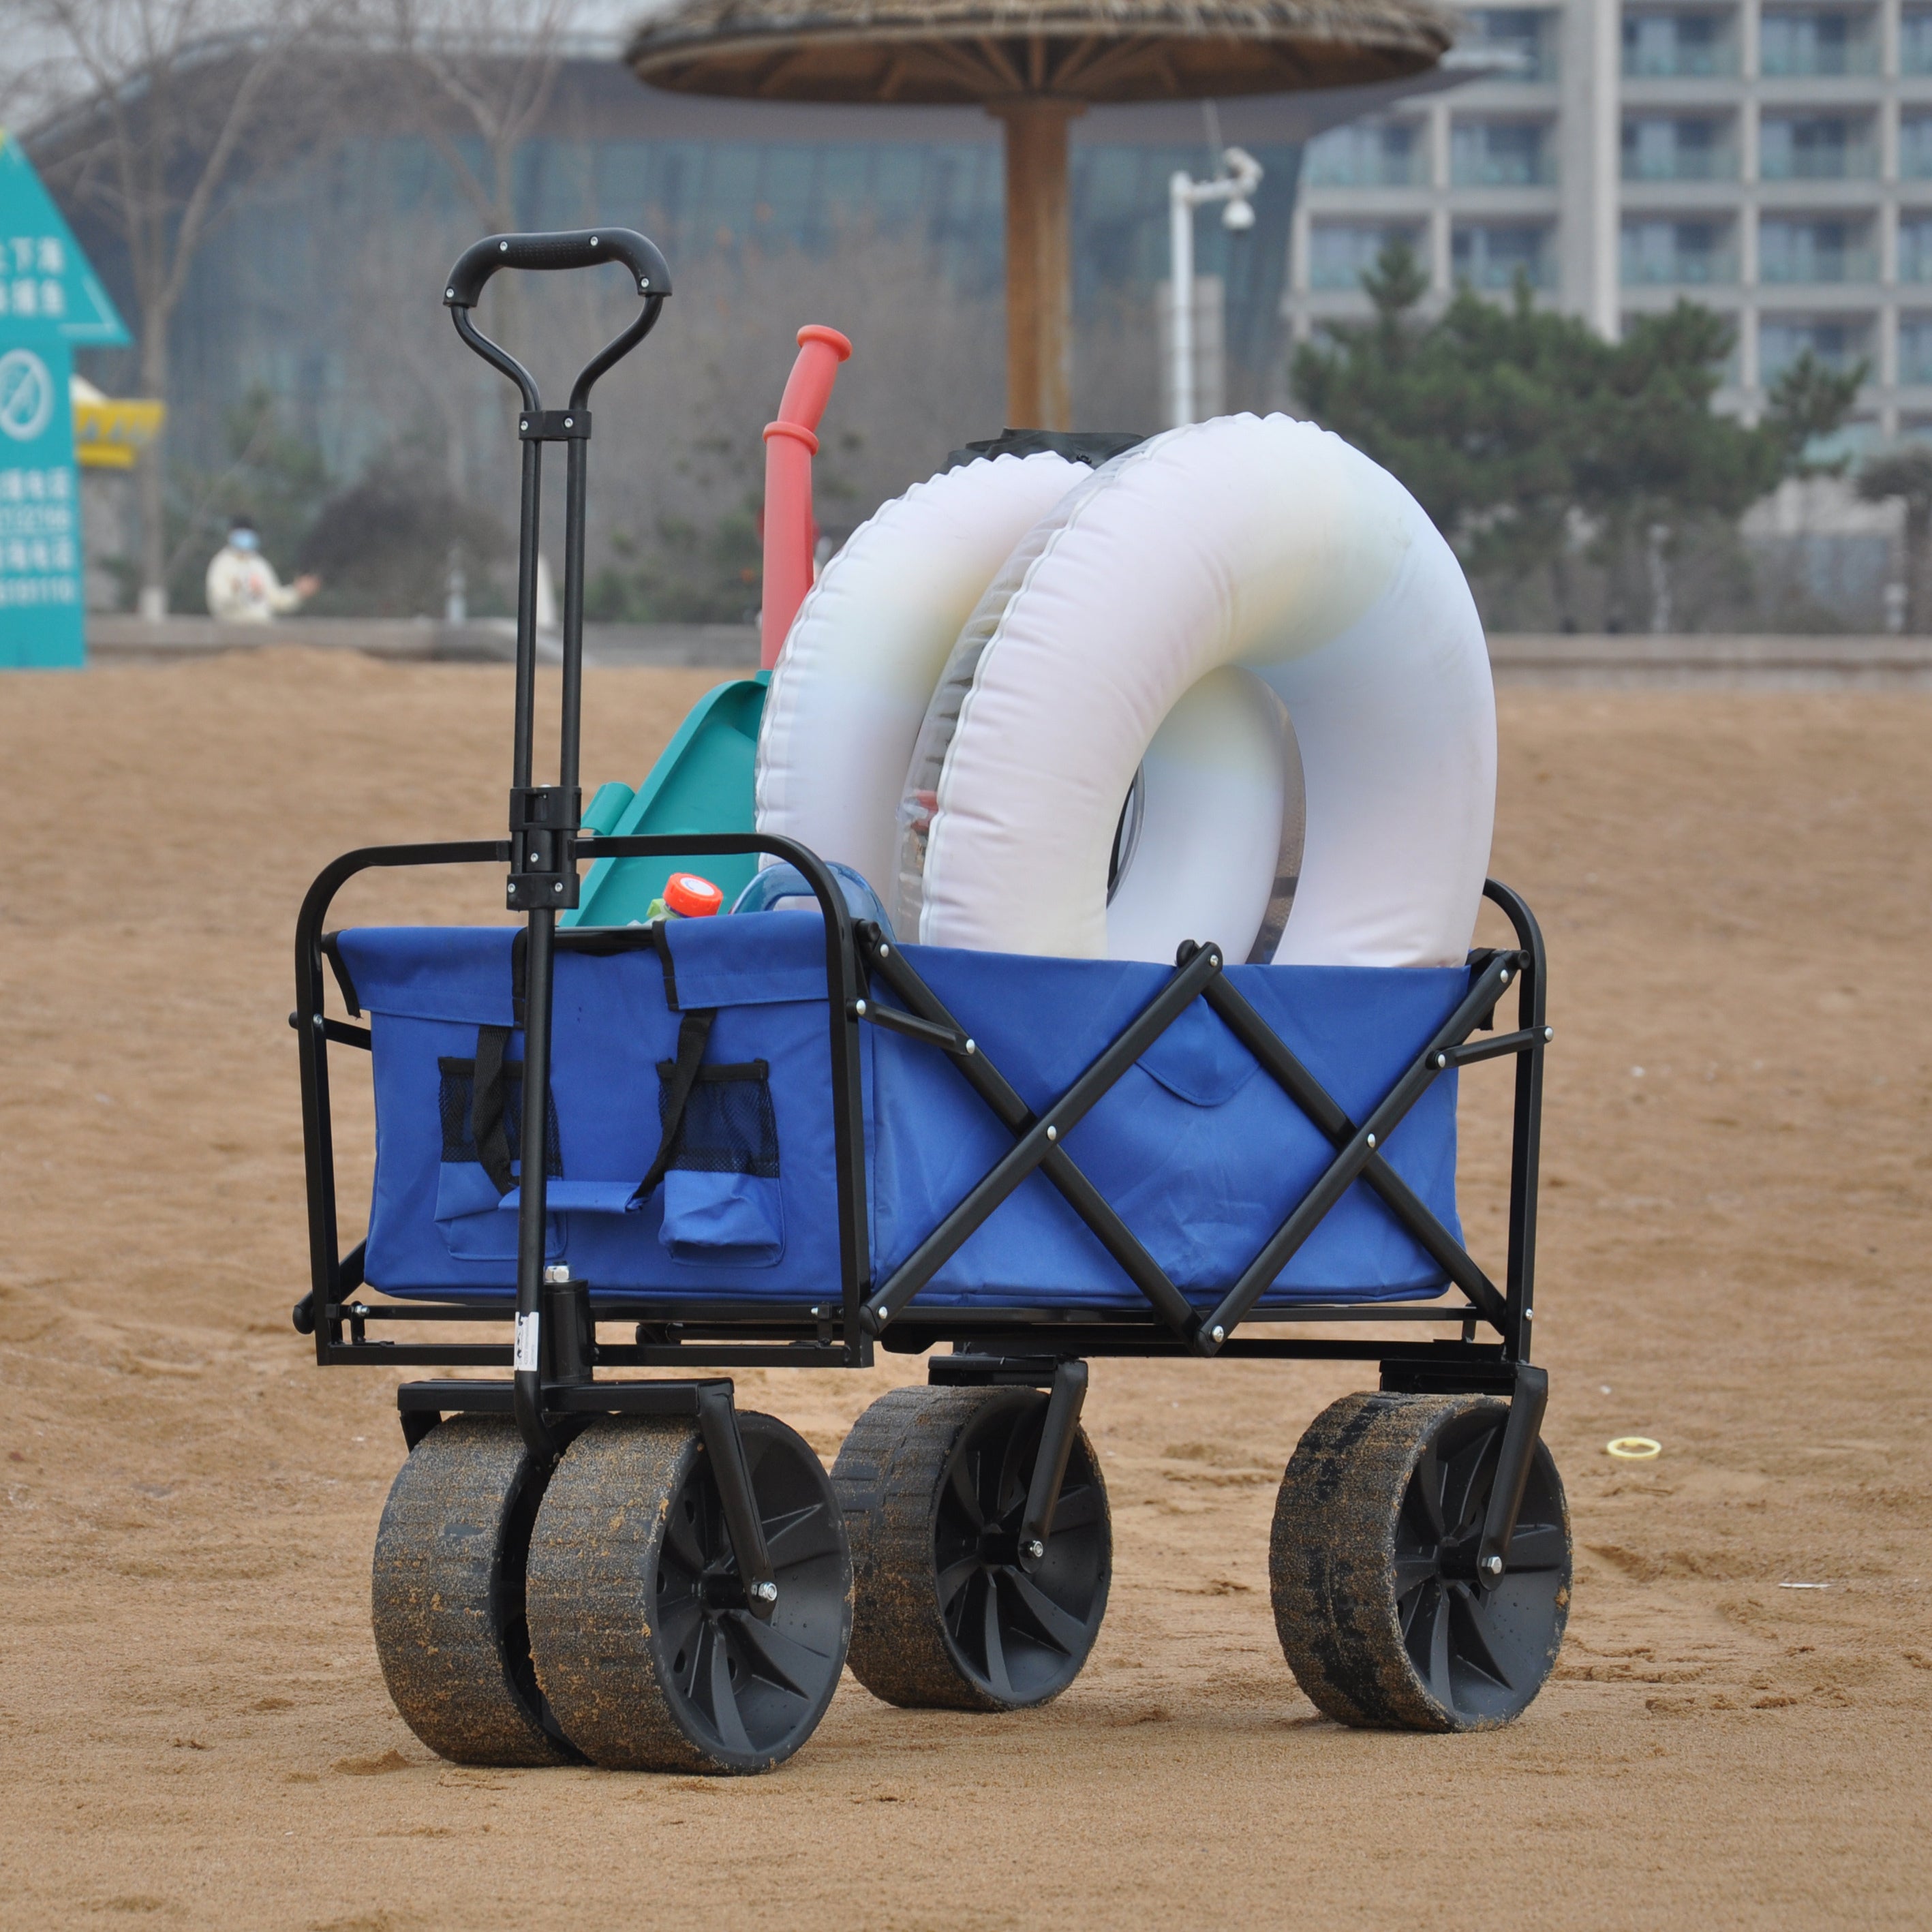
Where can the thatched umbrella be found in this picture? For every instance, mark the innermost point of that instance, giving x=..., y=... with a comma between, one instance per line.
x=1035, y=67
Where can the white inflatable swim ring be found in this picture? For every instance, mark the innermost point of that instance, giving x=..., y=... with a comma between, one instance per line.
x=853, y=682
x=1142, y=628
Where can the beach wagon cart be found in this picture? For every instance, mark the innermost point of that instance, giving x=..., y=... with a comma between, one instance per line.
x=785, y=1140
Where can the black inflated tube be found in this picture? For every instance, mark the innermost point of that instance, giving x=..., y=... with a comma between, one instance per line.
x=571, y=248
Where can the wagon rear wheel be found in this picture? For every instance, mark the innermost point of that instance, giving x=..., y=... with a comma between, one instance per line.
x=447, y=1597
x=933, y=1482
x=1372, y=1565
x=640, y=1626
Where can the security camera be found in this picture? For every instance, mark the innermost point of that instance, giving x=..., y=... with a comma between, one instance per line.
x=1238, y=216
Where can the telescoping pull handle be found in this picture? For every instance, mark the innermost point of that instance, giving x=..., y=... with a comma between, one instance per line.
x=571, y=248
x=544, y=819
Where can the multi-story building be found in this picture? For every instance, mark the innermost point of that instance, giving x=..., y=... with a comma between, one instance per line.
x=1773, y=161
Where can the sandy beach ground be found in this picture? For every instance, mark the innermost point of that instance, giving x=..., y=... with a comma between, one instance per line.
x=194, y=1731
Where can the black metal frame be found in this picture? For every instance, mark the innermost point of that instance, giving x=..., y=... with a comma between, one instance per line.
x=555, y=1354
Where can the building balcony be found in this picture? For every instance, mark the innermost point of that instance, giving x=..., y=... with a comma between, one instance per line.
x=1817, y=147
x=1678, y=148
x=1490, y=256
x=1678, y=43
x=1816, y=252
x=1681, y=254
x=1340, y=253
x=1525, y=37
x=1501, y=153
x=1368, y=153
x=1840, y=342
x=1832, y=44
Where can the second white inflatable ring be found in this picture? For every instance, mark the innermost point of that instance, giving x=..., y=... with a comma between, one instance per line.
x=1140, y=629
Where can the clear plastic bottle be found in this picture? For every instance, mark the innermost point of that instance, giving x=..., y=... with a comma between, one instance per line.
x=782, y=888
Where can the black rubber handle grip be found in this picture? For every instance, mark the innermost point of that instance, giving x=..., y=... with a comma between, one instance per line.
x=573, y=248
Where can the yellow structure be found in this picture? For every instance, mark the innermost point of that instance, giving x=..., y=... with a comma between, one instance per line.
x=107, y=434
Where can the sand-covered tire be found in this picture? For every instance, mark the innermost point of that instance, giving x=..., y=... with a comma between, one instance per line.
x=1372, y=1566
x=639, y=1628
x=447, y=1597
x=933, y=1483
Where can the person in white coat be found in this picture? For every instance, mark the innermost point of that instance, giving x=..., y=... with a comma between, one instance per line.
x=242, y=586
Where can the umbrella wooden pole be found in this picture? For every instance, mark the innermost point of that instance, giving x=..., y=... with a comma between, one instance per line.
x=1039, y=283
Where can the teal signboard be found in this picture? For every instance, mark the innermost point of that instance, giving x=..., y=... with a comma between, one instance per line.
x=50, y=300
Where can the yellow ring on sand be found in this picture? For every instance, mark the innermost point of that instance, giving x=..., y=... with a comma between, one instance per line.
x=1632, y=1448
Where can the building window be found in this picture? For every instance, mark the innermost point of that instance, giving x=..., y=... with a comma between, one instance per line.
x=1815, y=147
x=1339, y=252
x=1914, y=40
x=1367, y=154
x=1674, y=147
x=1839, y=342
x=1810, y=43
x=1914, y=146
x=1914, y=247
x=1492, y=254
x=1815, y=248
x=1501, y=153
x=1915, y=348
x=1667, y=46
x=1525, y=36
x=1660, y=252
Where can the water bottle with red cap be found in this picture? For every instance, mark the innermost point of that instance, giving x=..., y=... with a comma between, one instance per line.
x=686, y=896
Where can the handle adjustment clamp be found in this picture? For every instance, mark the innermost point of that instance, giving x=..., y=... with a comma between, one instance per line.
x=553, y=425
x=543, y=847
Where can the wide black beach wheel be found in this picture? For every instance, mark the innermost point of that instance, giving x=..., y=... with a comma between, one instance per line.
x=448, y=1596
x=640, y=1625
x=933, y=1482
x=1377, y=1597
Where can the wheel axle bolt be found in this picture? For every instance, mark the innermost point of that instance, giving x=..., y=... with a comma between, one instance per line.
x=1035, y=1550
x=1493, y=1566
x=766, y=1593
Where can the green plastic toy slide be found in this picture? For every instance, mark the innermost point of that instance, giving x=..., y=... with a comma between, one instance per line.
x=703, y=783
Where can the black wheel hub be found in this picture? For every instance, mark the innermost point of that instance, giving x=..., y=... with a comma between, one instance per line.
x=749, y=1679
x=1020, y=1626
x=1480, y=1644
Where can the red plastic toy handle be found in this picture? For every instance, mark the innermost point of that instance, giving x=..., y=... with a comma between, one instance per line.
x=790, y=445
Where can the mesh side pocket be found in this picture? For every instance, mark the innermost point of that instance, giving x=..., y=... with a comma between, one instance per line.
x=729, y=1125
x=456, y=1102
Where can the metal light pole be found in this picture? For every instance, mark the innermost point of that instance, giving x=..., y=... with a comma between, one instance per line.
x=1240, y=175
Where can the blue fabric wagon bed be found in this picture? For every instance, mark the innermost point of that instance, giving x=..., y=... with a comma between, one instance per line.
x=693, y=1141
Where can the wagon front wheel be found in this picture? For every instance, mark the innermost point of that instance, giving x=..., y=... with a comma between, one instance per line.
x=946, y=1615
x=447, y=1597
x=1378, y=1601
x=644, y=1641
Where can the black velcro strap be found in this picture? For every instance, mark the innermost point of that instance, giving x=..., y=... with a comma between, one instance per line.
x=487, y=1107
x=694, y=1032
